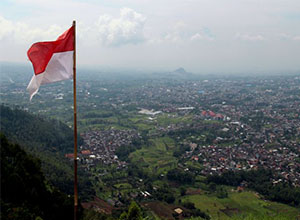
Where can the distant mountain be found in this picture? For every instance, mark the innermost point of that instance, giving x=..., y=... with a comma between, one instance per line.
x=179, y=73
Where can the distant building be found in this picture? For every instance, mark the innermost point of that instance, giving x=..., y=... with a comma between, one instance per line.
x=86, y=152
x=70, y=156
x=178, y=211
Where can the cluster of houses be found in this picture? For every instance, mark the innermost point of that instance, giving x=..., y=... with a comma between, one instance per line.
x=217, y=159
x=100, y=146
x=211, y=114
x=259, y=116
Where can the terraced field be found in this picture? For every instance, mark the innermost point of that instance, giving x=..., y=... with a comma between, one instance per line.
x=156, y=158
x=244, y=203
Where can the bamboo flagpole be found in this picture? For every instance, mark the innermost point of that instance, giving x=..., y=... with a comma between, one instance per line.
x=75, y=127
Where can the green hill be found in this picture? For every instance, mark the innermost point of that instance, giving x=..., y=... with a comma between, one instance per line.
x=25, y=194
x=48, y=140
x=35, y=132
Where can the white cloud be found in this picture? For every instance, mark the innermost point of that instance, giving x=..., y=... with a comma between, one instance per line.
x=179, y=26
x=182, y=32
x=177, y=33
x=6, y=28
x=127, y=29
x=284, y=36
x=197, y=37
x=249, y=37
x=21, y=33
x=296, y=38
x=173, y=35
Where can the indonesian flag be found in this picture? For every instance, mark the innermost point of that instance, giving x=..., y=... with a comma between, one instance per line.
x=52, y=61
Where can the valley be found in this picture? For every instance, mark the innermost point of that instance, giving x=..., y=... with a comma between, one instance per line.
x=172, y=143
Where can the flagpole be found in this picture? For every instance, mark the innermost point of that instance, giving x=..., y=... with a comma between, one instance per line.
x=75, y=127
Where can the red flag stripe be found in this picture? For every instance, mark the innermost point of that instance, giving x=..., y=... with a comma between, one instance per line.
x=40, y=53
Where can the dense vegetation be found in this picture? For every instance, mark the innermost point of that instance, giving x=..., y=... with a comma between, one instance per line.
x=36, y=132
x=123, y=152
x=181, y=176
x=25, y=194
x=48, y=140
x=260, y=181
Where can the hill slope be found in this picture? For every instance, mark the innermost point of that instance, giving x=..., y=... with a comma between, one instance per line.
x=35, y=132
x=24, y=192
x=46, y=139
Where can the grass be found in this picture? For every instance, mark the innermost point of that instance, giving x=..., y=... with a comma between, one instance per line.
x=244, y=203
x=267, y=126
x=139, y=122
x=200, y=178
x=101, y=127
x=156, y=158
x=228, y=144
x=138, y=118
x=250, y=217
x=123, y=186
x=212, y=122
x=208, y=204
x=165, y=119
x=102, y=120
x=144, y=126
x=194, y=165
x=260, y=217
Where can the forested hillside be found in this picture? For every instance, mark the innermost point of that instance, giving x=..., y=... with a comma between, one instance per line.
x=48, y=140
x=25, y=194
x=37, y=133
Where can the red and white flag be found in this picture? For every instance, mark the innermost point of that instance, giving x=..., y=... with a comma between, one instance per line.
x=52, y=61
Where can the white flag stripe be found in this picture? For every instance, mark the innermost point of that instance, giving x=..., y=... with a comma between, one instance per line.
x=60, y=67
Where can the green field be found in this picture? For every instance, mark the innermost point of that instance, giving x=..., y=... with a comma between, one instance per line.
x=123, y=186
x=167, y=119
x=156, y=158
x=239, y=204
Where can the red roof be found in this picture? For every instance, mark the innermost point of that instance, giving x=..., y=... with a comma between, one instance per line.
x=69, y=155
x=86, y=152
x=211, y=113
x=219, y=116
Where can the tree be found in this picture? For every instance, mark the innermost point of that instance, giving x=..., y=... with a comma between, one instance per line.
x=134, y=213
x=27, y=194
x=123, y=216
x=180, y=176
x=212, y=187
x=222, y=193
x=182, y=191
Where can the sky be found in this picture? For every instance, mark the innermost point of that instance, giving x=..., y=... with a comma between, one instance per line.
x=202, y=36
